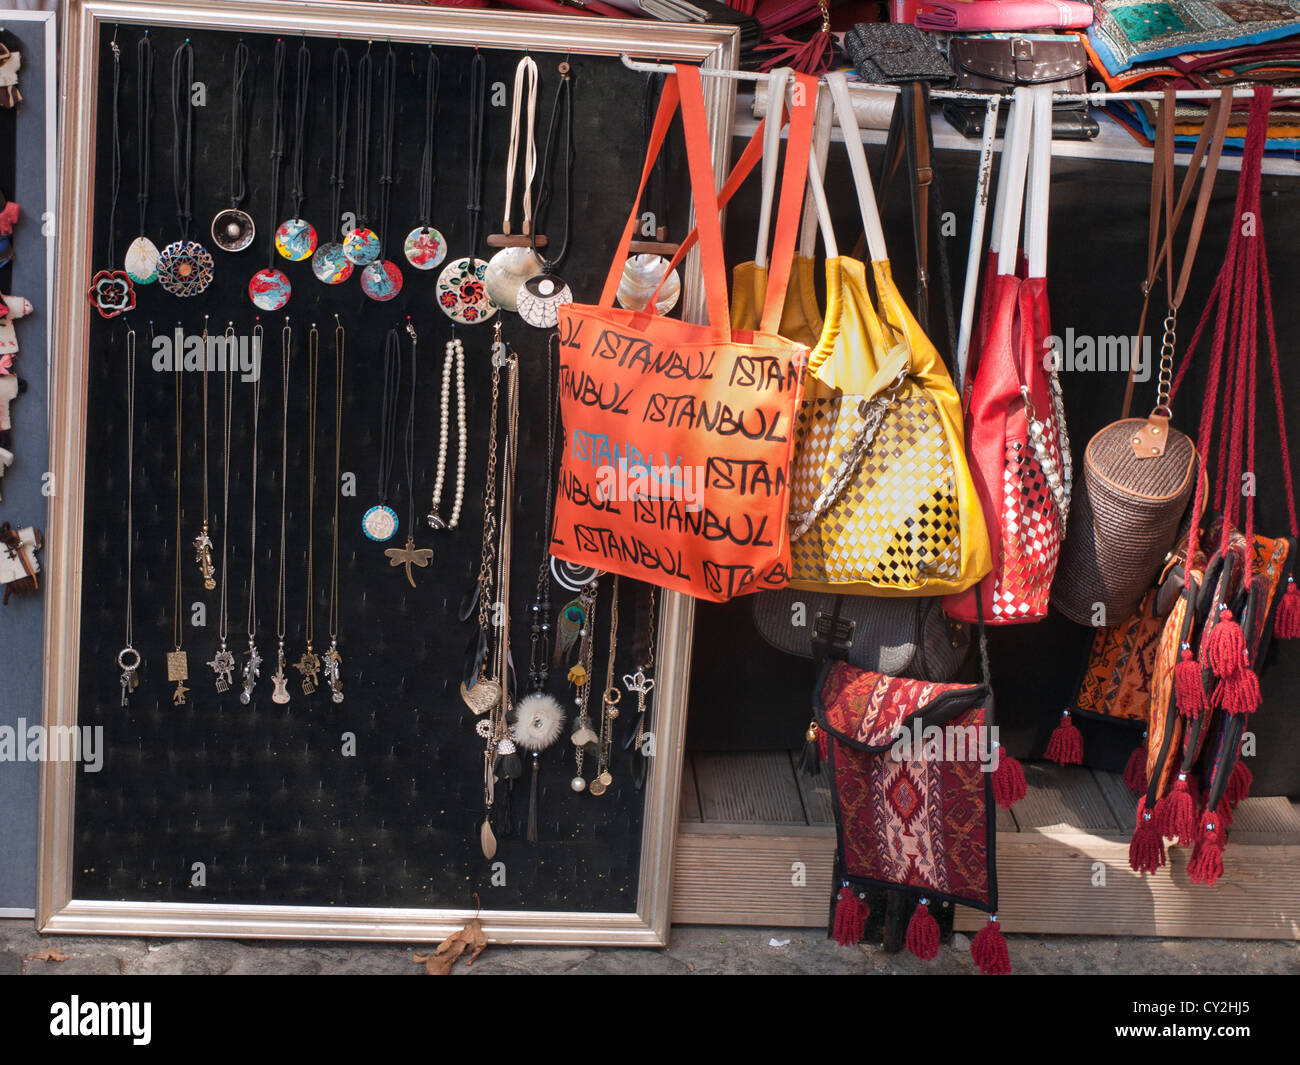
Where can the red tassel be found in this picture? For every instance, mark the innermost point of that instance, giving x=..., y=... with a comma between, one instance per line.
x=1286, y=626
x=1239, y=692
x=1206, y=865
x=812, y=56
x=8, y=218
x=1146, y=851
x=1224, y=649
x=1066, y=745
x=1008, y=779
x=851, y=913
x=923, y=933
x=990, y=950
x=1224, y=810
x=1189, y=692
x=1175, y=815
x=1239, y=781
x=1135, y=773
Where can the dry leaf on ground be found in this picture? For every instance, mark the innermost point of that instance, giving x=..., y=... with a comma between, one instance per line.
x=470, y=938
x=49, y=954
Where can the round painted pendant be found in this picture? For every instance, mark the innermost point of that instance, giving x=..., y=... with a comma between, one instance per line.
x=295, y=239
x=233, y=229
x=185, y=268
x=379, y=523
x=111, y=293
x=361, y=246
x=462, y=294
x=506, y=272
x=142, y=261
x=381, y=280
x=330, y=265
x=425, y=248
x=269, y=289
x=540, y=299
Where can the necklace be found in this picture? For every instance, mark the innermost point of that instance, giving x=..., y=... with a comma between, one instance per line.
x=541, y=297
x=270, y=288
x=253, y=667
x=203, y=542
x=495, y=728
x=381, y=280
x=361, y=247
x=643, y=273
x=454, y=359
x=223, y=662
x=379, y=523
x=232, y=228
x=641, y=684
x=142, y=255
x=178, y=668
x=516, y=262
x=280, y=694
x=425, y=247
x=329, y=264
x=461, y=293
x=309, y=664
x=410, y=555
x=334, y=660
x=295, y=239
x=128, y=659
x=580, y=677
x=111, y=292
x=184, y=266
x=608, y=703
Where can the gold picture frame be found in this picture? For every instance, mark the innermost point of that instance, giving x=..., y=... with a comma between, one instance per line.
x=57, y=910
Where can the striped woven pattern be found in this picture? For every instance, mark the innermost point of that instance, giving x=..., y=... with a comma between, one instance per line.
x=897, y=523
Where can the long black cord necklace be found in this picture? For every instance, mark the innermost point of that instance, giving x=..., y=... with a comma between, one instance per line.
x=111, y=292
x=379, y=523
x=361, y=247
x=329, y=264
x=233, y=228
x=462, y=295
x=184, y=266
x=295, y=239
x=381, y=280
x=426, y=247
x=410, y=555
x=142, y=255
x=270, y=288
x=541, y=296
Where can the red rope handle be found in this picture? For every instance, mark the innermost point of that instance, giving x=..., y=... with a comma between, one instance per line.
x=1278, y=403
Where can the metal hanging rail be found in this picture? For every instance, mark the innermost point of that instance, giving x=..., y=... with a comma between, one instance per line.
x=992, y=103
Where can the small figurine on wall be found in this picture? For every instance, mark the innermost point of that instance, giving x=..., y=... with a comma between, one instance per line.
x=18, y=564
x=9, y=64
x=9, y=212
x=11, y=308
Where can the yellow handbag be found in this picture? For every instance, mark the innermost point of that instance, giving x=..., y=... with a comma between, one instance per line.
x=882, y=501
x=801, y=317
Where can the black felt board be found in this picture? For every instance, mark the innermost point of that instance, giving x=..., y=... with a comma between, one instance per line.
x=1096, y=262
x=261, y=793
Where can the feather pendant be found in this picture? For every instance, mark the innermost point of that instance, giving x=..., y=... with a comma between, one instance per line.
x=539, y=719
x=487, y=840
x=573, y=616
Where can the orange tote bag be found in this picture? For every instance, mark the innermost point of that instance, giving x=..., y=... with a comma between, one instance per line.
x=678, y=437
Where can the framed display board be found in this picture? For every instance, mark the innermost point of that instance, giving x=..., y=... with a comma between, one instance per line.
x=290, y=815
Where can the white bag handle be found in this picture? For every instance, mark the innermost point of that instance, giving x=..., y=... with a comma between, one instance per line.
x=778, y=82
x=815, y=212
x=1000, y=199
x=1015, y=162
x=858, y=161
x=1040, y=183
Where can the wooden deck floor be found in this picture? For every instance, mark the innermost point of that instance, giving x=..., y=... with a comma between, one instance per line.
x=756, y=843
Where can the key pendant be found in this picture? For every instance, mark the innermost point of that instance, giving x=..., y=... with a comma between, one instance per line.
x=126, y=685
x=252, y=670
x=203, y=556
x=223, y=665
x=334, y=672
x=128, y=661
x=642, y=686
x=309, y=666
x=280, y=694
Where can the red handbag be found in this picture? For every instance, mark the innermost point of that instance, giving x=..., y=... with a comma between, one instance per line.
x=1015, y=421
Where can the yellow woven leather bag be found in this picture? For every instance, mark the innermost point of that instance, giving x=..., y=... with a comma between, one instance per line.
x=882, y=501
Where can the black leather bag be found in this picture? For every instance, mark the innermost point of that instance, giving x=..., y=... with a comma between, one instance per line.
x=891, y=53
x=1000, y=64
x=899, y=637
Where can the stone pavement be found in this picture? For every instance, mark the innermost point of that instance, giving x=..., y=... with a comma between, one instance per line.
x=693, y=949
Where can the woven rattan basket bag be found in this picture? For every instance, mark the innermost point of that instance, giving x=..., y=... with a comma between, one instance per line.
x=1138, y=473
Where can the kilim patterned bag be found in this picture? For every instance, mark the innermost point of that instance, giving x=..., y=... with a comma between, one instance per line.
x=913, y=798
x=1015, y=419
x=882, y=501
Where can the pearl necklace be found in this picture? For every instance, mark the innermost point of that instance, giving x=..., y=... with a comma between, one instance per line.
x=456, y=354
